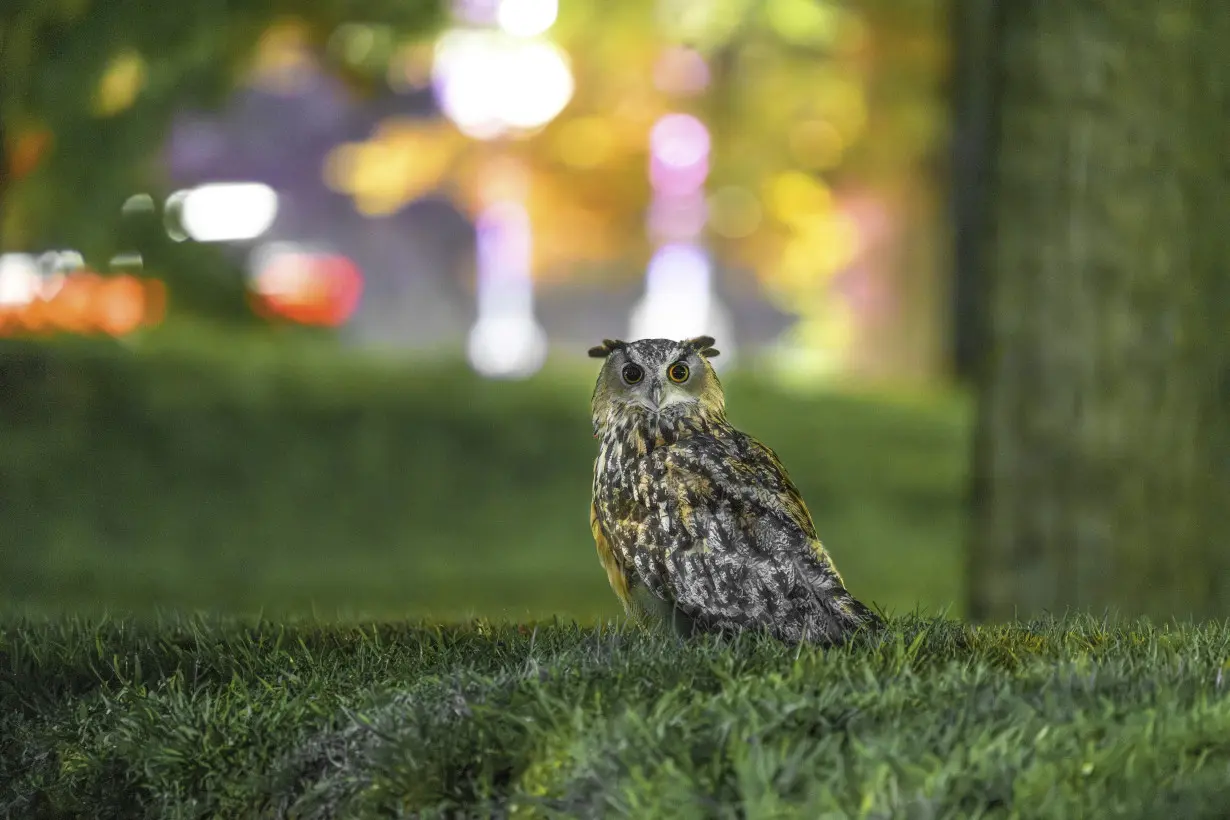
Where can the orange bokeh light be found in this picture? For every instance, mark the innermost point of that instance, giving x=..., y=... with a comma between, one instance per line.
x=27, y=151
x=308, y=288
x=87, y=303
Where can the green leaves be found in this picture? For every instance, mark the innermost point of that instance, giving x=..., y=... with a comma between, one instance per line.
x=54, y=56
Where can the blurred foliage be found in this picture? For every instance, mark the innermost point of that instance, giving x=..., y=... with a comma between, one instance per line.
x=89, y=87
x=805, y=96
x=87, y=91
x=826, y=119
x=286, y=477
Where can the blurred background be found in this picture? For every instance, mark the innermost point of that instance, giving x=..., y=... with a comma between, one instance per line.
x=294, y=296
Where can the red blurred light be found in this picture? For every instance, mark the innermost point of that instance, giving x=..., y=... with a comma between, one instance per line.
x=309, y=288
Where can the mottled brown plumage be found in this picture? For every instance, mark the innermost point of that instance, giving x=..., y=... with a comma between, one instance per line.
x=696, y=523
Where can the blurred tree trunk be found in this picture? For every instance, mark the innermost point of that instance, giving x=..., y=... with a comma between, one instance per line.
x=1102, y=451
x=4, y=137
x=4, y=180
x=975, y=27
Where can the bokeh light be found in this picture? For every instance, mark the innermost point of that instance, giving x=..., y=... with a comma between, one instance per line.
x=227, y=211
x=20, y=280
x=52, y=263
x=677, y=303
x=506, y=347
x=127, y=261
x=402, y=160
x=490, y=83
x=138, y=204
x=795, y=195
x=679, y=141
x=678, y=218
x=283, y=60
x=526, y=18
x=28, y=148
x=358, y=44
x=678, y=155
x=410, y=68
x=120, y=84
x=52, y=293
x=476, y=12
x=681, y=72
x=804, y=22
x=305, y=285
x=506, y=341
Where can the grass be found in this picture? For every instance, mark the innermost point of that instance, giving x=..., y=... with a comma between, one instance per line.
x=345, y=499
x=200, y=717
x=248, y=477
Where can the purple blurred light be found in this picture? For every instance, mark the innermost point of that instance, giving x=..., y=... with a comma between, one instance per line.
x=476, y=12
x=679, y=140
x=678, y=154
x=678, y=218
x=678, y=270
x=194, y=145
x=681, y=71
x=671, y=180
x=504, y=246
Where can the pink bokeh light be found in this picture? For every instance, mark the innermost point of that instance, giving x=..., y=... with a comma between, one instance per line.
x=679, y=141
x=681, y=72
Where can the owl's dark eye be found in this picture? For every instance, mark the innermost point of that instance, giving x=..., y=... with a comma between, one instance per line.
x=633, y=373
x=679, y=372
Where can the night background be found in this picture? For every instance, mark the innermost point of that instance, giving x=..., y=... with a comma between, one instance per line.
x=295, y=297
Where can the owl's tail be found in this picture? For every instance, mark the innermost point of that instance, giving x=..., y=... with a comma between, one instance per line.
x=853, y=615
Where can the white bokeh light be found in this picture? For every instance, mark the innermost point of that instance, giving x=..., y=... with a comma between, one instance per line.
x=137, y=203
x=506, y=341
x=54, y=262
x=489, y=83
x=679, y=302
x=507, y=347
x=227, y=211
x=527, y=18
x=20, y=281
x=495, y=83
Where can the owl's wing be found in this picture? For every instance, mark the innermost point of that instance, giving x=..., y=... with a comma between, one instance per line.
x=738, y=546
x=611, y=561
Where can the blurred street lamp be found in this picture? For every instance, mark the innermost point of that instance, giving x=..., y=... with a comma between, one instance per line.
x=495, y=78
x=494, y=84
x=679, y=300
x=506, y=341
x=223, y=211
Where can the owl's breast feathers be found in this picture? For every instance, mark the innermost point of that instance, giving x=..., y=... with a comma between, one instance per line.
x=705, y=520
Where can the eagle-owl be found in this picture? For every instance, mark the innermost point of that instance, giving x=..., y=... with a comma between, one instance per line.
x=697, y=524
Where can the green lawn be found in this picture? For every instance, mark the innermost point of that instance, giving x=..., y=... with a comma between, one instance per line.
x=249, y=477
x=345, y=499
x=190, y=717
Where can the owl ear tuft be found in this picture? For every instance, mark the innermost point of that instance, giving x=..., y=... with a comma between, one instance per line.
x=704, y=346
x=605, y=349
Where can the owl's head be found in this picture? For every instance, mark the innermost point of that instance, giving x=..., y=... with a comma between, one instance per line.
x=657, y=379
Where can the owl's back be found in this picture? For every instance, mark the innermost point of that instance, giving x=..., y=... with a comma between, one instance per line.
x=703, y=526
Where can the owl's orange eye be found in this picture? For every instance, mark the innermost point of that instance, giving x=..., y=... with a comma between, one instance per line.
x=679, y=372
x=633, y=373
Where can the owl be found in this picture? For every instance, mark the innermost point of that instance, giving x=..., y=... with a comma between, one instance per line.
x=697, y=524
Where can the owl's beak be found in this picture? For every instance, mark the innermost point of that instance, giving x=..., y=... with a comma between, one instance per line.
x=655, y=394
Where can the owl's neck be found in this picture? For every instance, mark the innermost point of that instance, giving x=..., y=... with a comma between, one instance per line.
x=646, y=431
